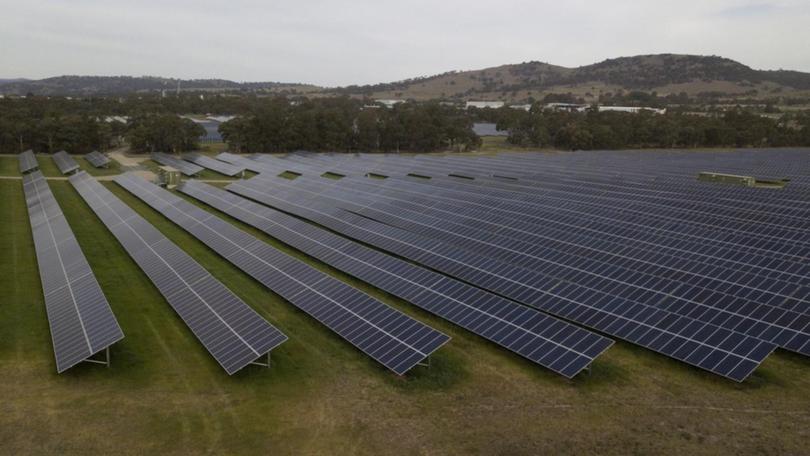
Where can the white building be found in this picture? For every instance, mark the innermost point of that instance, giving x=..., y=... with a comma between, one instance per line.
x=484, y=104
x=631, y=109
x=525, y=107
x=389, y=103
x=571, y=107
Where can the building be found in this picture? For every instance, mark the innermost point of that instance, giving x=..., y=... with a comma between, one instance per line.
x=631, y=109
x=484, y=104
x=524, y=107
x=389, y=103
x=570, y=107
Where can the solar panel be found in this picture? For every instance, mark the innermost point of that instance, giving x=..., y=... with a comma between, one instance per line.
x=97, y=159
x=383, y=333
x=28, y=161
x=704, y=345
x=545, y=340
x=248, y=164
x=188, y=169
x=783, y=327
x=80, y=319
x=65, y=162
x=229, y=329
x=214, y=165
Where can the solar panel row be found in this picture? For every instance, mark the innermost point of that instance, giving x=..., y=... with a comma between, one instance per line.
x=97, y=159
x=28, y=161
x=214, y=165
x=545, y=340
x=229, y=329
x=248, y=164
x=701, y=344
x=65, y=162
x=385, y=334
x=188, y=169
x=80, y=319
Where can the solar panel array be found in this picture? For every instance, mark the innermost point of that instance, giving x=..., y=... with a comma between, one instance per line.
x=65, y=162
x=229, y=329
x=97, y=159
x=28, y=162
x=684, y=295
x=383, y=333
x=631, y=234
x=550, y=342
x=188, y=169
x=80, y=319
x=214, y=165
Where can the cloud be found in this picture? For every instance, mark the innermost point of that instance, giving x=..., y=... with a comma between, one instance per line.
x=367, y=41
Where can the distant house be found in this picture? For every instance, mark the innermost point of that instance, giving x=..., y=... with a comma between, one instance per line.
x=570, y=107
x=631, y=109
x=389, y=103
x=120, y=119
x=524, y=107
x=488, y=129
x=484, y=104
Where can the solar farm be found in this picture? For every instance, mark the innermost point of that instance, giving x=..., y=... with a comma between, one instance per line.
x=517, y=303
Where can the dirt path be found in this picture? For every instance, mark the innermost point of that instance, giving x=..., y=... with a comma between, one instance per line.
x=126, y=160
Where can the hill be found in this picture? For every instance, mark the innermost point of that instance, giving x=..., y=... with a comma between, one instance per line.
x=118, y=85
x=661, y=73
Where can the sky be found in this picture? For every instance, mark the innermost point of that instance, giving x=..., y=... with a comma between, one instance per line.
x=334, y=43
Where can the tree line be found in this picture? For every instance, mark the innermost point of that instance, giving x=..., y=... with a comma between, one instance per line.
x=343, y=125
x=277, y=124
x=619, y=130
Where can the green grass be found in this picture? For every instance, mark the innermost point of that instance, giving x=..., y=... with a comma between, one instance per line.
x=9, y=166
x=213, y=148
x=164, y=394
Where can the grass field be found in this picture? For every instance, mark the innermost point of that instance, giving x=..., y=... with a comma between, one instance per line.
x=164, y=394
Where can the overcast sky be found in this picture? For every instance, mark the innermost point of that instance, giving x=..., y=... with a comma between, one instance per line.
x=366, y=41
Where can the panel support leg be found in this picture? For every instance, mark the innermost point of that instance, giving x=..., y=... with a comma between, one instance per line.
x=263, y=364
x=105, y=361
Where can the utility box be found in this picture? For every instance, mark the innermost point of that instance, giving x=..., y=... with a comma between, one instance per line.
x=746, y=181
x=168, y=177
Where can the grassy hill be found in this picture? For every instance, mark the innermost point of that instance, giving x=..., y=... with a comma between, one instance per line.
x=116, y=85
x=662, y=73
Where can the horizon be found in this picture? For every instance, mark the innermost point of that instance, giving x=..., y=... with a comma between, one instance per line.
x=270, y=81
x=333, y=46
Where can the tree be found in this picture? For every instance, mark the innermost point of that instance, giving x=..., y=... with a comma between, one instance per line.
x=164, y=132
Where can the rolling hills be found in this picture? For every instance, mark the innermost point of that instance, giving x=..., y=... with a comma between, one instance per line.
x=661, y=73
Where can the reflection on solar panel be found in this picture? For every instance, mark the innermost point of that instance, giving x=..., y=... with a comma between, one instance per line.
x=188, y=169
x=97, y=159
x=248, y=164
x=214, y=165
x=28, y=161
x=702, y=344
x=65, y=162
x=545, y=340
x=81, y=321
x=230, y=330
x=385, y=334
